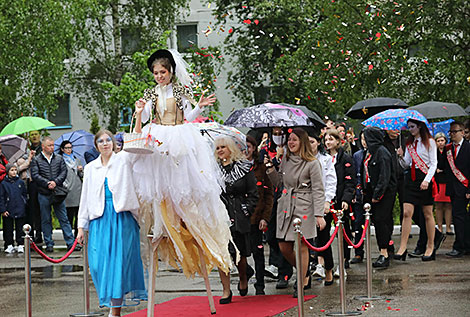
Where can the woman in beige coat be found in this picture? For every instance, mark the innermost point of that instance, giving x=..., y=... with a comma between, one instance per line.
x=303, y=197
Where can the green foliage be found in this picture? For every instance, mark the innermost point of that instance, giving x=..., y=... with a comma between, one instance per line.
x=95, y=124
x=36, y=38
x=328, y=55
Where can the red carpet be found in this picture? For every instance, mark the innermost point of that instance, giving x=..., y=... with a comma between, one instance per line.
x=249, y=306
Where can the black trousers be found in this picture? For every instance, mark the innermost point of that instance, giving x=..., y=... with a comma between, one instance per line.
x=322, y=238
x=257, y=249
x=10, y=225
x=276, y=258
x=461, y=220
x=72, y=214
x=358, y=222
x=34, y=211
x=382, y=218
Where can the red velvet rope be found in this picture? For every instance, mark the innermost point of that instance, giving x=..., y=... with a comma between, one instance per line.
x=355, y=246
x=45, y=257
x=326, y=246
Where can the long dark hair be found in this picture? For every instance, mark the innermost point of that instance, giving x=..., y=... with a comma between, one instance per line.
x=423, y=133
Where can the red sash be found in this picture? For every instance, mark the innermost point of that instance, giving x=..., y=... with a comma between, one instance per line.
x=422, y=166
x=458, y=174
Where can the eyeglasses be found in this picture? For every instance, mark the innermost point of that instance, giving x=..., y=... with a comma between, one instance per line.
x=67, y=147
x=103, y=141
x=455, y=131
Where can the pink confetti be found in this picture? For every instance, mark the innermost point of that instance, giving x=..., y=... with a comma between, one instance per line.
x=322, y=310
x=305, y=217
x=260, y=246
x=378, y=35
x=371, y=66
x=426, y=62
x=290, y=130
x=259, y=184
x=247, y=21
x=230, y=31
x=284, y=191
x=256, y=22
x=291, y=79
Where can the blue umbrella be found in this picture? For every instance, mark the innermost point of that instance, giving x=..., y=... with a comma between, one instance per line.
x=395, y=119
x=81, y=140
x=443, y=126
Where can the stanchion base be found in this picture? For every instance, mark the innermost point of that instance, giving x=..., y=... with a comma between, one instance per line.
x=86, y=315
x=366, y=298
x=348, y=313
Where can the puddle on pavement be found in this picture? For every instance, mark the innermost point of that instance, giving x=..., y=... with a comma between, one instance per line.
x=50, y=271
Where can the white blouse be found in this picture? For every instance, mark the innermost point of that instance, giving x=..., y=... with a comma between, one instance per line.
x=429, y=156
x=190, y=114
x=328, y=175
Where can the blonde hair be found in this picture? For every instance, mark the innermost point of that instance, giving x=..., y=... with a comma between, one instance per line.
x=235, y=153
x=305, y=151
x=440, y=135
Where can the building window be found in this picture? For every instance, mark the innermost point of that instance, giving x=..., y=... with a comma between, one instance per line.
x=61, y=116
x=130, y=41
x=186, y=37
x=262, y=94
x=126, y=117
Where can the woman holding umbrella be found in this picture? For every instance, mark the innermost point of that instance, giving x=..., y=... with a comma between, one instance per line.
x=420, y=163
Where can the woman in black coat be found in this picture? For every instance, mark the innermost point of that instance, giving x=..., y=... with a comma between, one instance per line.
x=379, y=183
x=345, y=191
x=240, y=197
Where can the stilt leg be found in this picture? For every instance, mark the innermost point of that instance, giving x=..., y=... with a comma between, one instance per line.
x=206, y=280
x=151, y=277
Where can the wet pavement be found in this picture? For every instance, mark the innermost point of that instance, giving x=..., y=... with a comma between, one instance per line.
x=410, y=288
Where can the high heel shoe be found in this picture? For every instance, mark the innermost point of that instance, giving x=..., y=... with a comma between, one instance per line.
x=400, y=256
x=427, y=258
x=249, y=273
x=227, y=300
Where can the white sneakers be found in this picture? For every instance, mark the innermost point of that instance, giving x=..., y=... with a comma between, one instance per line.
x=271, y=271
x=10, y=249
x=337, y=272
x=319, y=270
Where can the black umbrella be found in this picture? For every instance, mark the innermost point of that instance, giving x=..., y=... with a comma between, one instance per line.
x=312, y=115
x=13, y=147
x=367, y=108
x=437, y=109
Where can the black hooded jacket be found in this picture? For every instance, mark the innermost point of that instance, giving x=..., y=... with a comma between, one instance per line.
x=381, y=168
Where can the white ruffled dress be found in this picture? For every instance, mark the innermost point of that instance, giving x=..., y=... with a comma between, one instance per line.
x=179, y=186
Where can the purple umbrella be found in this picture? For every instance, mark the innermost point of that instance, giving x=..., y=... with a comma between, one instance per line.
x=395, y=119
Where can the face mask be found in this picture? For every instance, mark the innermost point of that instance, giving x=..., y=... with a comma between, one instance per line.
x=278, y=139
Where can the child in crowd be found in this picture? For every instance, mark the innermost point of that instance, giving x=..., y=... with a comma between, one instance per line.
x=13, y=197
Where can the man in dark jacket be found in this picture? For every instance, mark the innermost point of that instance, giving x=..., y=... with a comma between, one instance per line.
x=49, y=171
x=379, y=183
x=458, y=188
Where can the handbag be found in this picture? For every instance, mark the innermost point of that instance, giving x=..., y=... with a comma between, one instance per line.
x=59, y=194
x=137, y=143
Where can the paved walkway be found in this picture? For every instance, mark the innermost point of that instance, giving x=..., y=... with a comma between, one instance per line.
x=413, y=288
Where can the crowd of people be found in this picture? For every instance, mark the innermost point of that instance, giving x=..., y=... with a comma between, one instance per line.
x=209, y=207
x=35, y=183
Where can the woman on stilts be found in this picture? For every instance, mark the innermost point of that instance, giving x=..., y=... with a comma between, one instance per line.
x=179, y=185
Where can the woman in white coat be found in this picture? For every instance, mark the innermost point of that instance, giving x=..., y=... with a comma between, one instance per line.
x=108, y=211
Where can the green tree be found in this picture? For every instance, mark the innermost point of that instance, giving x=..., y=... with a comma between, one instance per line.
x=330, y=54
x=37, y=38
x=114, y=31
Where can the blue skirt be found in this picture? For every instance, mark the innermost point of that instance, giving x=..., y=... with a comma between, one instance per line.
x=114, y=257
